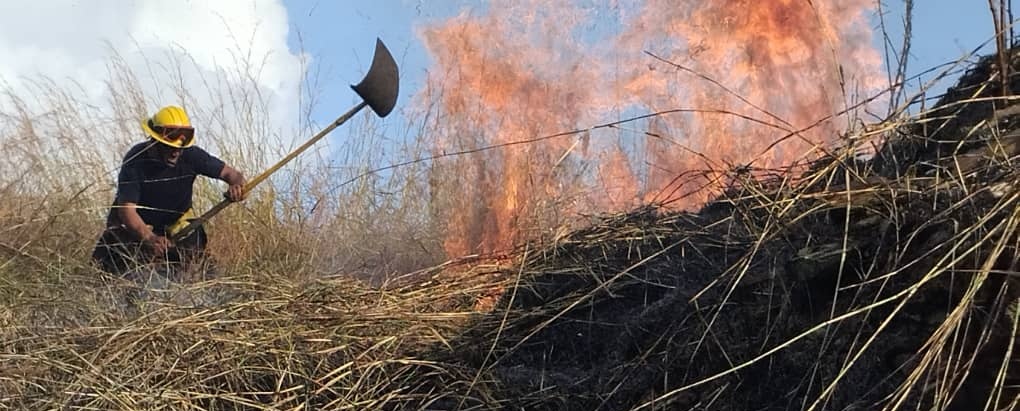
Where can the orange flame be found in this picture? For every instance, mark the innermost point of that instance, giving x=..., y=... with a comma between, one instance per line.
x=738, y=75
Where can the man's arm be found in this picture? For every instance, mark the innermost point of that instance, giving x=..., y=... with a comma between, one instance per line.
x=128, y=214
x=236, y=181
x=129, y=186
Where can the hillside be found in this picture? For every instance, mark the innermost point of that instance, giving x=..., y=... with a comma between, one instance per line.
x=861, y=284
x=881, y=283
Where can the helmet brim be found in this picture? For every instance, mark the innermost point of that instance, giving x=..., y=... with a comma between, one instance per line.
x=159, y=137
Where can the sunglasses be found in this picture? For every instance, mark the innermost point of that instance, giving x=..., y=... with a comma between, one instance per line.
x=175, y=135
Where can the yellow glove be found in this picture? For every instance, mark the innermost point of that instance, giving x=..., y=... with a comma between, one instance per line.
x=181, y=222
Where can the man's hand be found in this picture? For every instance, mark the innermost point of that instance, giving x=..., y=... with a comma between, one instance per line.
x=128, y=214
x=236, y=180
x=235, y=193
x=159, y=244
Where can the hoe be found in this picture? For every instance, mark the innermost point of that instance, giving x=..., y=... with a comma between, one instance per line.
x=377, y=90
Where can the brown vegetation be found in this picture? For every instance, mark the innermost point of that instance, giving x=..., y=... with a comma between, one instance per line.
x=882, y=283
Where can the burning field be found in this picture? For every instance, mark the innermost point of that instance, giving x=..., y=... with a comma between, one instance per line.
x=775, y=262
x=887, y=283
x=732, y=83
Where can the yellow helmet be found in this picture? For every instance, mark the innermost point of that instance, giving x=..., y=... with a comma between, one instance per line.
x=171, y=126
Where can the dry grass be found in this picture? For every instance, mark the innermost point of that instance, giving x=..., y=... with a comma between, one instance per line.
x=878, y=284
x=276, y=345
x=69, y=340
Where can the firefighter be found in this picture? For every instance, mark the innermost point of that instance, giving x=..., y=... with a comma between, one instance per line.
x=154, y=198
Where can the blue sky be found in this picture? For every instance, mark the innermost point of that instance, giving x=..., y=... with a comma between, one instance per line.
x=202, y=49
x=944, y=30
x=46, y=37
x=340, y=36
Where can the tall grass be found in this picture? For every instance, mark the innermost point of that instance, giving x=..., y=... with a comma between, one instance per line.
x=315, y=235
x=302, y=329
x=60, y=155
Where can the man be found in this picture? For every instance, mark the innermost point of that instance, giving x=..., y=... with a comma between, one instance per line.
x=154, y=193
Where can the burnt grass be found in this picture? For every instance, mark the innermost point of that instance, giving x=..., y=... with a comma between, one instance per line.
x=824, y=294
x=852, y=284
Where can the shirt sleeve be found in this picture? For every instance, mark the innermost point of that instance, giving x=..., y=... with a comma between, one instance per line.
x=206, y=164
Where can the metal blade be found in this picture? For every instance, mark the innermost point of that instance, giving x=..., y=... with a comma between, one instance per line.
x=381, y=85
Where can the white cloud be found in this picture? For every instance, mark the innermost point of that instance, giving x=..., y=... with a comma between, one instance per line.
x=205, y=48
x=219, y=34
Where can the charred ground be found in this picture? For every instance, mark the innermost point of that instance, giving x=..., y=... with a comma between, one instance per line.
x=858, y=285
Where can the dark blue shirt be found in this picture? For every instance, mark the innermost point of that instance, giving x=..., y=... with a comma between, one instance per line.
x=162, y=192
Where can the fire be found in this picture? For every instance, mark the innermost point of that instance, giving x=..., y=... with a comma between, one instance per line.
x=736, y=74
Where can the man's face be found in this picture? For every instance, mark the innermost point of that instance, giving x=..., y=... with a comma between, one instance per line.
x=168, y=154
